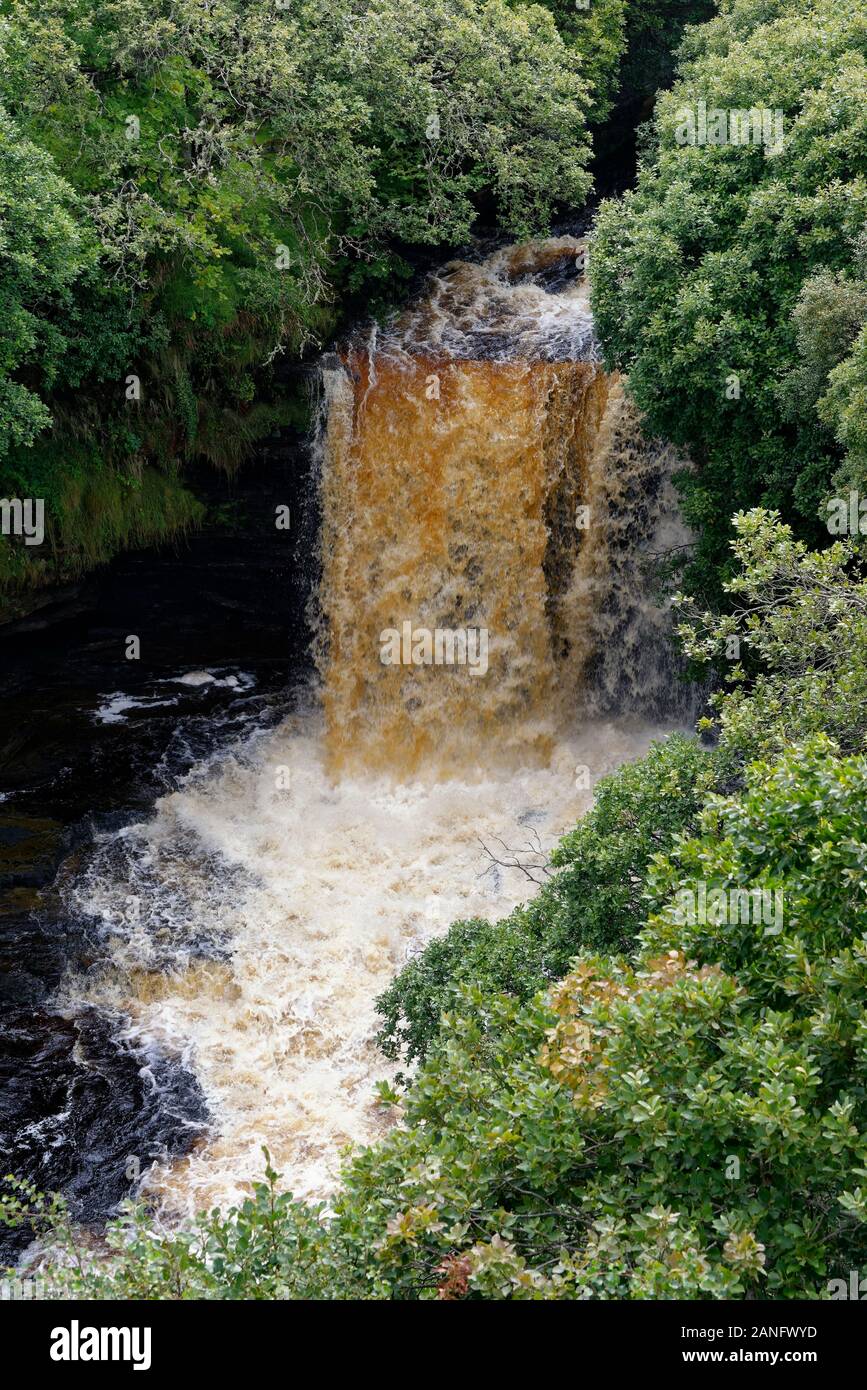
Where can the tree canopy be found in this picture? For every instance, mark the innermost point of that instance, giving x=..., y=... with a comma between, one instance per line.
x=730, y=283
x=191, y=192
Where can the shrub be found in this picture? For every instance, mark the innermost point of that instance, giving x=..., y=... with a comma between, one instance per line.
x=593, y=901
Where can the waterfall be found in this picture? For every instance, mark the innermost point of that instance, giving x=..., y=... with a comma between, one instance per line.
x=479, y=473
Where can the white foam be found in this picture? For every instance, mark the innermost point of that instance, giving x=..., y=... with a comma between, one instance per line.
x=243, y=680
x=328, y=889
x=115, y=707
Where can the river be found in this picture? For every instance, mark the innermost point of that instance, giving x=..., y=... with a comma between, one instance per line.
x=217, y=856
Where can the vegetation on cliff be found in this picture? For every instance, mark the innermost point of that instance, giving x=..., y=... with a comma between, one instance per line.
x=730, y=283
x=189, y=193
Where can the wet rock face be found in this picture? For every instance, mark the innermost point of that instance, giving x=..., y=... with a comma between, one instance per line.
x=88, y=740
x=82, y=1113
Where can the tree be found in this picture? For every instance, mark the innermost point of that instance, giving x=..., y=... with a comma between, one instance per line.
x=231, y=171
x=798, y=622
x=44, y=251
x=697, y=273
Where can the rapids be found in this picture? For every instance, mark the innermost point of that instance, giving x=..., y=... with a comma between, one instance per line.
x=476, y=468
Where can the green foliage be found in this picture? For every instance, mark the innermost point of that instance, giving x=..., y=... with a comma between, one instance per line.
x=270, y=1247
x=796, y=830
x=799, y=619
x=95, y=511
x=594, y=900
x=43, y=251
x=827, y=318
x=189, y=189
x=699, y=274
x=597, y=31
x=844, y=408
x=654, y=31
